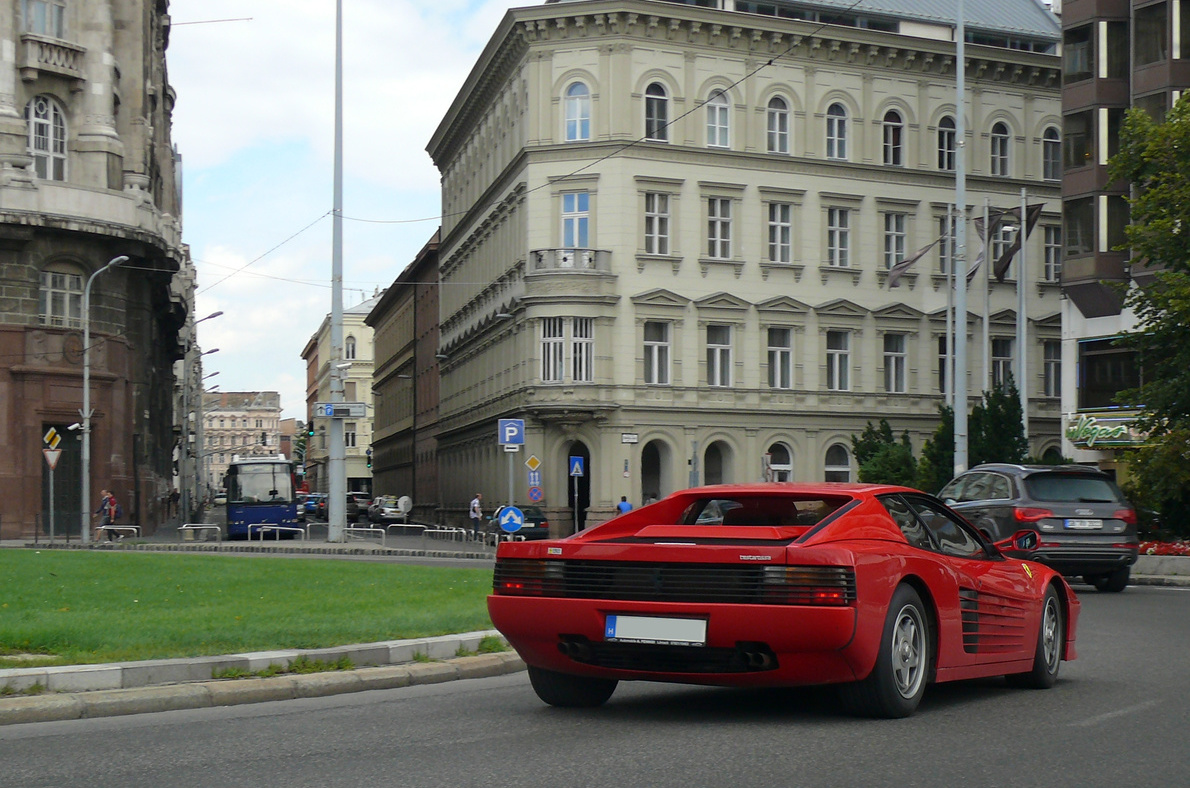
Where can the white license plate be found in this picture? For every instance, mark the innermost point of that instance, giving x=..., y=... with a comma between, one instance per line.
x=1084, y=525
x=653, y=629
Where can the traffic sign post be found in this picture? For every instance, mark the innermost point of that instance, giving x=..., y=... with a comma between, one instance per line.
x=511, y=519
x=511, y=435
x=51, y=459
x=576, y=470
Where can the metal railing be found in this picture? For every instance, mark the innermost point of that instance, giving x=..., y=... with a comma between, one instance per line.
x=570, y=259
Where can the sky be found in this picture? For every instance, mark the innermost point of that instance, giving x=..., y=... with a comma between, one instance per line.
x=254, y=123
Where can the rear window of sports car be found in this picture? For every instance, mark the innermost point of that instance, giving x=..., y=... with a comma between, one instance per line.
x=769, y=510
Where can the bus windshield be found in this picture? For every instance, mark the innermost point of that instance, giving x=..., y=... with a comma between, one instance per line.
x=259, y=483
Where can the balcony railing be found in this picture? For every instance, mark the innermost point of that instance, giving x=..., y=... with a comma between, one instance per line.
x=570, y=260
x=50, y=54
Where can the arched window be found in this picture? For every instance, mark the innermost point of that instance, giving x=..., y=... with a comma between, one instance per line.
x=718, y=121
x=894, y=134
x=780, y=464
x=778, y=125
x=836, y=132
x=578, y=113
x=47, y=138
x=61, y=296
x=999, y=158
x=1051, y=155
x=349, y=349
x=838, y=464
x=656, y=113
x=946, y=144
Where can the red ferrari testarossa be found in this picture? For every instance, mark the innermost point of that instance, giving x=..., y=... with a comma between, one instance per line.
x=877, y=588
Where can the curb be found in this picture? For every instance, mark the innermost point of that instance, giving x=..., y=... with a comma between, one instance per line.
x=232, y=692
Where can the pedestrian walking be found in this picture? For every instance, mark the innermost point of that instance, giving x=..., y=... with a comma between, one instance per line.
x=623, y=506
x=476, y=514
x=109, y=511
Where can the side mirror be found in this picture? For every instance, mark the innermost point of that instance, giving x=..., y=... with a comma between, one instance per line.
x=1025, y=541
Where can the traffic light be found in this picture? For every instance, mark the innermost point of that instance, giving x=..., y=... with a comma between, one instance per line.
x=310, y=429
x=369, y=456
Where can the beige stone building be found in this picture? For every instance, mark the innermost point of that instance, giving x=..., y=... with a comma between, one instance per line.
x=88, y=175
x=357, y=387
x=243, y=423
x=667, y=231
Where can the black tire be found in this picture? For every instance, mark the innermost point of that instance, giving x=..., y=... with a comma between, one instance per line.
x=898, y=680
x=1115, y=582
x=1051, y=636
x=565, y=690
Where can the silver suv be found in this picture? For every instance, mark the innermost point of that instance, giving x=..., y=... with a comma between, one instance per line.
x=1087, y=527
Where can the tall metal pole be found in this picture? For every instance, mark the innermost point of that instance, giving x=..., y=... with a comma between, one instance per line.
x=1022, y=320
x=336, y=505
x=987, y=295
x=960, y=199
x=85, y=413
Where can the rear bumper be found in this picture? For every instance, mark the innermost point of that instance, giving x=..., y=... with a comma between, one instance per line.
x=1084, y=559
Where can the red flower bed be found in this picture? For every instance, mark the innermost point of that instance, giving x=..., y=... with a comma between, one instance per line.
x=1165, y=548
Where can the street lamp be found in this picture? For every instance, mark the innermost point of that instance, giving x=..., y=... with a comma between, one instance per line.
x=186, y=363
x=199, y=476
x=86, y=411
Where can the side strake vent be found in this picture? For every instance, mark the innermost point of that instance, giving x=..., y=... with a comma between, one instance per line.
x=711, y=583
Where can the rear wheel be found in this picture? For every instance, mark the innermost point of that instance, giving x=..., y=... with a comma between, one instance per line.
x=1048, y=655
x=897, y=682
x=1113, y=582
x=563, y=689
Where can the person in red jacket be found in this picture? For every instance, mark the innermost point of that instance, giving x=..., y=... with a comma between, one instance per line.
x=108, y=509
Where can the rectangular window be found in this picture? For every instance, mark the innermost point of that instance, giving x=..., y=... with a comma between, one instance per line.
x=838, y=360
x=583, y=350
x=717, y=122
x=657, y=353
x=1001, y=360
x=894, y=363
x=46, y=17
x=1078, y=54
x=719, y=228
x=1078, y=139
x=575, y=220
x=1053, y=254
x=348, y=435
x=61, y=299
x=838, y=237
x=1053, y=368
x=946, y=248
x=718, y=355
x=780, y=358
x=894, y=239
x=1105, y=369
x=1080, y=226
x=1152, y=34
x=656, y=223
x=552, y=329
x=780, y=232
x=943, y=366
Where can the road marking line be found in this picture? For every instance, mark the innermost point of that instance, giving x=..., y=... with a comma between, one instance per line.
x=1113, y=714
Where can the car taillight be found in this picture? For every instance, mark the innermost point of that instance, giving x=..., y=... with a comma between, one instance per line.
x=809, y=585
x=1127, y=515
x=1030, y=514
x=527, y=577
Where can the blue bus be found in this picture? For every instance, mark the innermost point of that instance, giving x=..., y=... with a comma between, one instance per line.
x=260, y=491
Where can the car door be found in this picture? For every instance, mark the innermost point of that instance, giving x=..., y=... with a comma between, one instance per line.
x=996, y=597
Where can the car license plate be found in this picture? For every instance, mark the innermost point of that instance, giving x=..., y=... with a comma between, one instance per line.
x=652, y=629
x=1084, y=525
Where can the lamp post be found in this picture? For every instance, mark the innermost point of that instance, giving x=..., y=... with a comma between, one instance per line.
x=198, y=426
x=185, y=482
x=86, y=411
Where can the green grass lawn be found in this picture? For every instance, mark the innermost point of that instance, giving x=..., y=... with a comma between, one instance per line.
x=75, y=607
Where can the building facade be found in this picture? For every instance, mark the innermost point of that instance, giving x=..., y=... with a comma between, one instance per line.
x=405, y=386
x=1117, y=54
x=357, y=387
x=88, y=174
x=237, y=423
x=668, y=230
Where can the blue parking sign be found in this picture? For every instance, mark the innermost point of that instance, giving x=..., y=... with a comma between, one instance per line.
x=511, y=432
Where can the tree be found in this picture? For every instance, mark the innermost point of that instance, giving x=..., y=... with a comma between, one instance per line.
x=997, y=427
x=881, y=459
x=936, y=466
x=1155, y=157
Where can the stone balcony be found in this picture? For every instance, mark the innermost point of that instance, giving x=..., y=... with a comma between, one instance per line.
x=40, y=54
x=571, y=275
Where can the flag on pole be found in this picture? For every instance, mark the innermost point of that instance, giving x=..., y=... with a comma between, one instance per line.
x=996, y=218
x=896, y=271
x=1033, y=213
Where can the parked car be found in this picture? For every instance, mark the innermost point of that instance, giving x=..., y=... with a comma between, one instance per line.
x=311, y=506
x=536, y=524
x=357, y=506
x=1087, y=526
x=878, y=588
x=385, y=509
x=300, y=500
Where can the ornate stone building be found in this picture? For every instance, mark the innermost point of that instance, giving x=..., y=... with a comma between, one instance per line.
x=88, y=174
x=667, y=231
x=244, y=423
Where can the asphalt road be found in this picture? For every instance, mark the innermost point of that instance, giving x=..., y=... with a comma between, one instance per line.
x=1119, y=716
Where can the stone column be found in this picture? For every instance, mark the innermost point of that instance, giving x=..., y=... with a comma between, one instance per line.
x=97, y=140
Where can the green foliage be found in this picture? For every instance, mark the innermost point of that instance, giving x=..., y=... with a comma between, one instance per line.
x=1155, y=158
x=881, y=459
x=996, y=430
x=936, y=466
x=91, y=606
